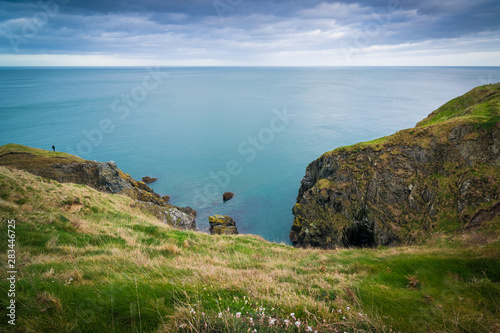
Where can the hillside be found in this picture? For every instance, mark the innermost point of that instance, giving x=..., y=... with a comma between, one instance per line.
x=89, y=261
x=442, y=176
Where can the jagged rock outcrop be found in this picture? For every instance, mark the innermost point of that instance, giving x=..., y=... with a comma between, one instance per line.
x=441, y=176
x=222, y=225
x=105, y=177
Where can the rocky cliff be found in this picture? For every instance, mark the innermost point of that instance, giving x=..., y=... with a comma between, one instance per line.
x=440, y=176
x=105, y=177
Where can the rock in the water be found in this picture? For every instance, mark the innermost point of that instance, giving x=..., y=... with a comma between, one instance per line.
x=166, y=198
x=149, y=180
x=222, y=225
x=227, y=196
x=442, y=175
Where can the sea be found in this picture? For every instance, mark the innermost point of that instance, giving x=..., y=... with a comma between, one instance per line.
x=203, y=131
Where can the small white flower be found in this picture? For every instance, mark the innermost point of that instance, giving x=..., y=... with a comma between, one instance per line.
x=192, y=311
x=238, y=314
x=292, y=314
x=348, y=308
x=309, y=329
x=297, y=323
x=220, y=314
x=286, y=321
x=182, y=326
x=343, y=318
x=340, y=311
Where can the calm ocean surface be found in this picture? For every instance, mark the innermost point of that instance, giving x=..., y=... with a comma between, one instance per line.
x=204, y=131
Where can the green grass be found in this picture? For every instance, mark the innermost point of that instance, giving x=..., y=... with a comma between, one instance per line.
x=481, y=105
x=100, y=264
x=15, y=148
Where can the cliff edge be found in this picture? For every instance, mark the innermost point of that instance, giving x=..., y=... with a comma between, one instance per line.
x=104, y=177
x=440, y=176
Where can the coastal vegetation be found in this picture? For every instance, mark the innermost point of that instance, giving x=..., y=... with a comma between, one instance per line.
x=89, y=261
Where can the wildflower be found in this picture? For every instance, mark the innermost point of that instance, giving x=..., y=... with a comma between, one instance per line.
x=220, y=314
x=203, y=314
x=192, y=311
x=182, y=326
x=297, y=323
x=238, y=314
x=340, y=311
x=348, y=308
x=271, y=322
x=292, y=314
x=343, y=318
x=309, y=329
x=286, y=321
x=255, y=330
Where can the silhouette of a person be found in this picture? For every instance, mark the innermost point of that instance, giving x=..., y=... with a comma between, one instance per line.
x=53, y=148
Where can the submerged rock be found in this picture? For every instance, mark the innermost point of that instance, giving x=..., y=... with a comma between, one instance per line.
x=442, y=175
x=222, y=225
x=227, y=196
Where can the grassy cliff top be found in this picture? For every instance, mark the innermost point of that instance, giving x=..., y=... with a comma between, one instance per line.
x=94, y=262
x=481, y=104
x=13, y=148
x=479, y=107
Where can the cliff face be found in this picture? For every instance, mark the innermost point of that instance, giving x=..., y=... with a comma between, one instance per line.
x=105, y=177
x=441, y=176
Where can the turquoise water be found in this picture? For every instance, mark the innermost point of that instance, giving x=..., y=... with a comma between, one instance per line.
x=204, y=131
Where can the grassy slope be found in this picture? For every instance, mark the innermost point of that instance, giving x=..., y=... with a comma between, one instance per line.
x=92, y=262
x=480, y=106
x=15, y=148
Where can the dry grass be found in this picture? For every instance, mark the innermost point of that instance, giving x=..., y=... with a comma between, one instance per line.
x=88, y=260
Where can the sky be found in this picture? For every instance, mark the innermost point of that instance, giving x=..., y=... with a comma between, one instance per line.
x=249, y=33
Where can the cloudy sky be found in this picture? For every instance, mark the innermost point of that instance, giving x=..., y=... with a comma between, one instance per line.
x=250, y=32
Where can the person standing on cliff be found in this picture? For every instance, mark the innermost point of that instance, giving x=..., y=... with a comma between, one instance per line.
x=53, y=148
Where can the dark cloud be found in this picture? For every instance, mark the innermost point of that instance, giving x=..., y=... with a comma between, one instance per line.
x=244, y=28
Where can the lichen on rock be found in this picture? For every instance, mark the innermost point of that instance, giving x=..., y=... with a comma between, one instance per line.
x=222, y=225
